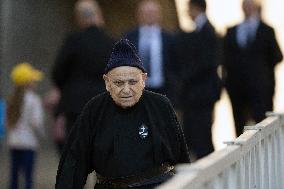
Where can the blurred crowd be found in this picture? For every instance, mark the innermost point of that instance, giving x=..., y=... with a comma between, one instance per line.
x=184, y=66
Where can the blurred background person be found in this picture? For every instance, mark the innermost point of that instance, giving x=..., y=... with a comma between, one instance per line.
x=154, y=46
x=80, y=63
x=250, y=54
x=24, y=123
x=196, y=54
x=56, y=120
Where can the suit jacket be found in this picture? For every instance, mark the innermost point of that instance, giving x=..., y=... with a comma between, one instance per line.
x=79, y=68
x=251, y=68
x=197, y=54
x=167, y=47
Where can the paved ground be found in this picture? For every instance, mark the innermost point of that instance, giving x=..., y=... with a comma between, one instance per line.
x=45, y=169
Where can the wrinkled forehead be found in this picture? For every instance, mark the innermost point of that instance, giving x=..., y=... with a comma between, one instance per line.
x=125, y=73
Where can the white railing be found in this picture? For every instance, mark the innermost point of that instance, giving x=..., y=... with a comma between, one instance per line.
x=255, y=160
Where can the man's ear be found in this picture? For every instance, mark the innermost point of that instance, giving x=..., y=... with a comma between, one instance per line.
x=144, y=78
x=106, y=79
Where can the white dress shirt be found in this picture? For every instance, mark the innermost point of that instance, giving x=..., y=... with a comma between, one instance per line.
x=151, y=37
x=200, y=21
x=246, y=31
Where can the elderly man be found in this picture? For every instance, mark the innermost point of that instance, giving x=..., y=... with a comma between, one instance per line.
x=128, y=135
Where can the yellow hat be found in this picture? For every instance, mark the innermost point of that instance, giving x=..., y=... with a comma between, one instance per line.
x=24, y=73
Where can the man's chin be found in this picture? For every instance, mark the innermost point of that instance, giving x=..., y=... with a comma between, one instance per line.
x=127, y=104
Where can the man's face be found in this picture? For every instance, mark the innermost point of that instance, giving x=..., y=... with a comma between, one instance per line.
x=149, y=13
x=249, y=8
x=193, y=11
x=125, y=85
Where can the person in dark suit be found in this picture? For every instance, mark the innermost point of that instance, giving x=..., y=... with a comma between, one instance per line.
x=196, y=53
x=81, y=61
x=154, y=46
x=250, y=55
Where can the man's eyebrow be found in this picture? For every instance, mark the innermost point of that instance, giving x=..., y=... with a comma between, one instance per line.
x=117, y=80
x=128, y=79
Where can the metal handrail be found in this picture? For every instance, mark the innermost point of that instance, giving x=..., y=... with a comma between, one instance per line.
x=253, y=160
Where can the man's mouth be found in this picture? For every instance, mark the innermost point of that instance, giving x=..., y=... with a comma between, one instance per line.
x=125, y=97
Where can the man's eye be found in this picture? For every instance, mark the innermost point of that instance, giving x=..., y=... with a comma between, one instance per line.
x=118, y=83
x=132, y=82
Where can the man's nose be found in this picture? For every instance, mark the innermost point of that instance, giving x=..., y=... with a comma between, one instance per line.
x=126, y=88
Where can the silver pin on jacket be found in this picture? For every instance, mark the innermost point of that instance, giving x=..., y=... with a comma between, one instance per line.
x=143, y=131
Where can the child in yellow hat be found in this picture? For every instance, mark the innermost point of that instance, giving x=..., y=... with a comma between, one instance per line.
x=24, y=122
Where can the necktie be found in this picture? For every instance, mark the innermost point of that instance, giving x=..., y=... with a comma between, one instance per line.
x=145, y=53
x=245, y=35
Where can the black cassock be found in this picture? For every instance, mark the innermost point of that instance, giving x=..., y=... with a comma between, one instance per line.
x=118, y=142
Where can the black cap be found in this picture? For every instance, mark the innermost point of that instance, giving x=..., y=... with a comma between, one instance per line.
x=124, y=54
